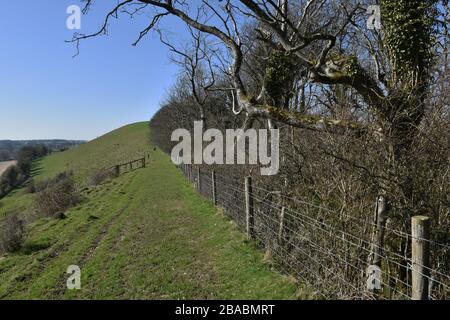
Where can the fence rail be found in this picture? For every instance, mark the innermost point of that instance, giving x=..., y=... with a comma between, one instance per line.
x=131, y=165
x=336, y=254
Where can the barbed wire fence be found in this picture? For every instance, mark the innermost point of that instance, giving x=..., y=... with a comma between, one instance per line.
x=336, y=255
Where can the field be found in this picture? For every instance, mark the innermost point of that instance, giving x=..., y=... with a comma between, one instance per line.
x=5, y=165
x=144, y=235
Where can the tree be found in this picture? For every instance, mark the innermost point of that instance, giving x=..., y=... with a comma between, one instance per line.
x=393, y=86
x=371, y=106
x=196, y=65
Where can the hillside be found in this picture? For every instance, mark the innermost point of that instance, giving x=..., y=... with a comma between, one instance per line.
x=143, y=235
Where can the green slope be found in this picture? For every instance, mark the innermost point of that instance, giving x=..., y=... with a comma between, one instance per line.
x=144, y=235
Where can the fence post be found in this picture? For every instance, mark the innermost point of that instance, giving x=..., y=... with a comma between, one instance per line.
x=117, y=170
x=420, y=229
x=280, y=231
x=380, y=218
x=250, y=218
x=199, y=184
x=214, y=190
x=376, y=253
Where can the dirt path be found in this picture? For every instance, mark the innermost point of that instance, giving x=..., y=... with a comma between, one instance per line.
x=5, y=165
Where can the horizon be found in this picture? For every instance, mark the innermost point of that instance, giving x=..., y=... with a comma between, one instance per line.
x=78, y=140
x=42, y=140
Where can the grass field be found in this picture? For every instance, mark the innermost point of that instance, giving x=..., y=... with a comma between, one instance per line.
x=144, y=235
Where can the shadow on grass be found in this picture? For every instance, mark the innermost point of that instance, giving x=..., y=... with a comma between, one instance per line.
x=36, y=169
x=31, y=247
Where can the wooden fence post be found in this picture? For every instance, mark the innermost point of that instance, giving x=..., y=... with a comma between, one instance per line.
x=117, y=170
x=199, y=184
x=143, y=162
x=214, y=185
x=381, y=213
x=420, y=229
x=374, y=280
x=250, y=218
x=280, y=230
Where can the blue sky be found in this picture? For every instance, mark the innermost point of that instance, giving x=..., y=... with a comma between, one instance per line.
x=45, y=93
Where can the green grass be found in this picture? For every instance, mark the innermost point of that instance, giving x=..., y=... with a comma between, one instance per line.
x=124, y=144
x=144, y=235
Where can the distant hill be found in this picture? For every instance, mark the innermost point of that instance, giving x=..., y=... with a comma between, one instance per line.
x=10, y=148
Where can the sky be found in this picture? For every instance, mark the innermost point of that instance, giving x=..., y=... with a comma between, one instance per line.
x=45, y=93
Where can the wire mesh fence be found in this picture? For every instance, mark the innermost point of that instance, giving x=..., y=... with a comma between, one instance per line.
x=329, y=250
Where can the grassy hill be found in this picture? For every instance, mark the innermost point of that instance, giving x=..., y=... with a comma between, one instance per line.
x=143, y=235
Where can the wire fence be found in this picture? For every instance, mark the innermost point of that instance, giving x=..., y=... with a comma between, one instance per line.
x=328, y=250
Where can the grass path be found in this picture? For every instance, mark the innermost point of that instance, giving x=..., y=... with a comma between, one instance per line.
x=144, y=235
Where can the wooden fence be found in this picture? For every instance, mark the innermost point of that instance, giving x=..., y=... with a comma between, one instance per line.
x=129, y=166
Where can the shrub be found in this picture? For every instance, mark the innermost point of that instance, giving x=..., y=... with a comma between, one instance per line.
x=63, y=176
x=9, y=180
x=12, y=233
x=11, y=176
x=31, y=187
x=56, y=195
x=16, y=175
x=100, y=177
x=4, y=188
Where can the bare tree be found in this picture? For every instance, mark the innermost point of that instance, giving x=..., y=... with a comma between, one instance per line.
x=375, y=103
x=196, y=64
x=328, y=42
